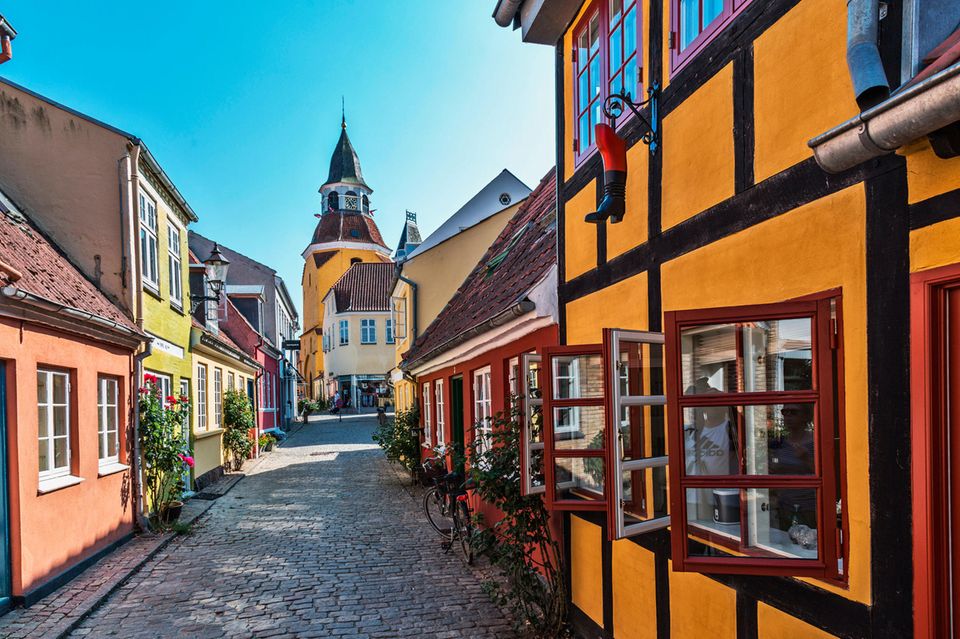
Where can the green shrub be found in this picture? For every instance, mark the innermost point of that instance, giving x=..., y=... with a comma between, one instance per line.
x=400, y=438
x=166, y=456
x=238, y=419
x=520, y=545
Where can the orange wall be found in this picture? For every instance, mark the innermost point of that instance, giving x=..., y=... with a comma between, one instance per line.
x=50, y=533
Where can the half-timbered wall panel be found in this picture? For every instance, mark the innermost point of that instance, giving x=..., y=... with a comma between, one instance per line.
x=623, y=305
x=700, y=607
x=581, y=238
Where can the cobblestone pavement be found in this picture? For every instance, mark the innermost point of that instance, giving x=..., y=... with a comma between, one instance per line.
x=321, y=539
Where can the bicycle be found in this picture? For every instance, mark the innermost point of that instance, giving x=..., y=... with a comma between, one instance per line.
x=446, y=506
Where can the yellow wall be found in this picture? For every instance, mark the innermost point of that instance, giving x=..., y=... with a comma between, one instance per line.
x=208, y=444
x=623, y=305
x=586, y=568
x=773, y=624
x=634, y=592
x=801, y=84
x=632, y=230
x=817, y=247
x=356, y=358
x=929, y=176
x=316, y=283
x=580, y=252
x=701, y=607
x=698, y=150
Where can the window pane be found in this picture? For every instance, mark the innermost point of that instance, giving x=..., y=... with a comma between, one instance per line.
x=630, y=33
x=709, y=359
x=111, y=416
x=103, y=447
x=59, y=389
x=536, y=424
x=41, y=387
x=584, y=132
x=536, y=469
x=583, y=84
x=616, y=50
x=714, y=514
x=644, y=494
x=59, y=420
x=59, y=452
x=579, y=478
x=777, y=355
x=711, y=11
x=630, y=78
x=616, y=6
x=616, y=84
x=780, y=439
x=689, y=21
x=583, y=50
x=595, y=77
x=44, y=458
x=111, y=444
x=43, y=417
x=710, y=440
x=578, y=427
x=783, y=522
x=577, y=376
x=595, y=33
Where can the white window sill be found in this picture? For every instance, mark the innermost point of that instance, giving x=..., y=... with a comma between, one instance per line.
x=210, y=433
x=57, y=483
x=111, y=469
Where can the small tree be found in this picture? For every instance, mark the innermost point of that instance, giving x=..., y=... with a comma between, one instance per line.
x=400, y=438
x=166, y=455
x=520, y=545
x=238, y=419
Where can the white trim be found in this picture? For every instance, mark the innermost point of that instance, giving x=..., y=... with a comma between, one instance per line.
x=328, y=246
x=103, y=431
x=51, y=484
x=111, y=469
x=439, y=418
x=427, y=426
x=49, y=441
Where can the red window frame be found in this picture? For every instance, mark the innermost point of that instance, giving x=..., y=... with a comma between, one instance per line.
x=826, y=395
x=551, y=453
x=601, y=9
x=679, y=57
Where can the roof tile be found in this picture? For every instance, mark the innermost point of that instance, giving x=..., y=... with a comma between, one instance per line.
x=366, y=286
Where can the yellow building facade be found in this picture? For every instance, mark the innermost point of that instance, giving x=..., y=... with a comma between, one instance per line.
x=731, y=222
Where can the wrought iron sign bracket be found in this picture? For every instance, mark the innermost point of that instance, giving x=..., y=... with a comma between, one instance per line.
x=613, y=108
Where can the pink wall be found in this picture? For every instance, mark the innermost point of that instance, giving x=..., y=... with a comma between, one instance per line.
x=51, y=532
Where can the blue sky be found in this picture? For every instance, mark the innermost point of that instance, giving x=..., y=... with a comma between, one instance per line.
x=241, y=105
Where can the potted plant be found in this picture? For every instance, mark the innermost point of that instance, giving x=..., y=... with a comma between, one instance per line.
x=266, y=442
x=165, y=455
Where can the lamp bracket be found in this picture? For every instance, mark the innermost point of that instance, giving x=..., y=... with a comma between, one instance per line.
x=613, y=108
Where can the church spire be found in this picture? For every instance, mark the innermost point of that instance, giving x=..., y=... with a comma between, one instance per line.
x=344, y=164
x=343, y=113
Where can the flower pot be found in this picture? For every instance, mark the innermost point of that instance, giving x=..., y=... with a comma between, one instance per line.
x=171, y=512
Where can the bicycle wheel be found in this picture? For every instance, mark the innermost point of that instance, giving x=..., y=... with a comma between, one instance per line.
x=465, y=531
x=437, y=513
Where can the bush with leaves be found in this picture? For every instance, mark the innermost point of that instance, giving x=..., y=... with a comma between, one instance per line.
x=238, y=419
x=166, y=456
x=400, y=438
x=520, y=545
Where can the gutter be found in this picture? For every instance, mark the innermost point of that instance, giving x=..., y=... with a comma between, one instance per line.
x=506, y=11
x=915, y=112
x=12, y=292
x=519, y=309
x=413, y=314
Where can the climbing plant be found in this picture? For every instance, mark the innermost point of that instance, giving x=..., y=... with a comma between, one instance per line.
x=238, y=419
x=520, y=544
x=165, y=454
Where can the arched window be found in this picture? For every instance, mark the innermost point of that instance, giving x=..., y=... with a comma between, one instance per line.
x=366, y=204
x=351, y=201
x=333, y=201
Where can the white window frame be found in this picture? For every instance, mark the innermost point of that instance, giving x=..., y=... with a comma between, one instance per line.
x=427, y=429
x=482, y=406
x=368, y=331
x=231, y=380
x=165, y=384
x=389, y=331
x=149, y=245
x=174, y=265
x=438, y=408
x=344, y=332
x=104, y=407
x=617, y=403
x=217, y=397
x=529, y=409
x=50, y=440
x=201, y=397
x=398, y=312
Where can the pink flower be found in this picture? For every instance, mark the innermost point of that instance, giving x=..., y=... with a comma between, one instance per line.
x=144, y=389
x=187, y=459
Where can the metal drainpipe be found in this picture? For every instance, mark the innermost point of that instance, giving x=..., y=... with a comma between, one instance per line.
x=137, y=473
x=505, y=11
x=863, y=55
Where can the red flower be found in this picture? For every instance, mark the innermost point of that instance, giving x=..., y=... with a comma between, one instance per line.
x=144, y=389
x=171, y=400
x=150, y=379
x=184, y=398
x=187, y=459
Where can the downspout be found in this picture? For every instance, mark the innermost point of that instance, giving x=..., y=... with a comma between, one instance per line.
x=506, y=11
x=137, y=474
x=863, y=55
x=133, y=182
x=413, y=314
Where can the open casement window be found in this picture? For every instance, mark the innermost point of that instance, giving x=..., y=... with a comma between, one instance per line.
x=575, y=436
x=633, y=362
x=753, y=400
x=531, y=470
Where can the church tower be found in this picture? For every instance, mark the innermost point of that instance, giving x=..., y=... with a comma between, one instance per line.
x=346, y=234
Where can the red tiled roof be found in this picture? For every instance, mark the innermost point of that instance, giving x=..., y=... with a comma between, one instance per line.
x=340, y=226
x=518, y=259
x=47, y=273
x=365, y=286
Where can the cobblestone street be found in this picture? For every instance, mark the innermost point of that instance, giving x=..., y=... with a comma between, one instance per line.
x=321, y=539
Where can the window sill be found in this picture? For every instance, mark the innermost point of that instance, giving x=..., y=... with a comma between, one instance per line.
x=178, y=309
x=111, y=469
x=153, y=292
x=209, y=433
x=57, y=483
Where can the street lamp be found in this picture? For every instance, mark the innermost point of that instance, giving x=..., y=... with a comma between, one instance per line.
x=215, y=276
